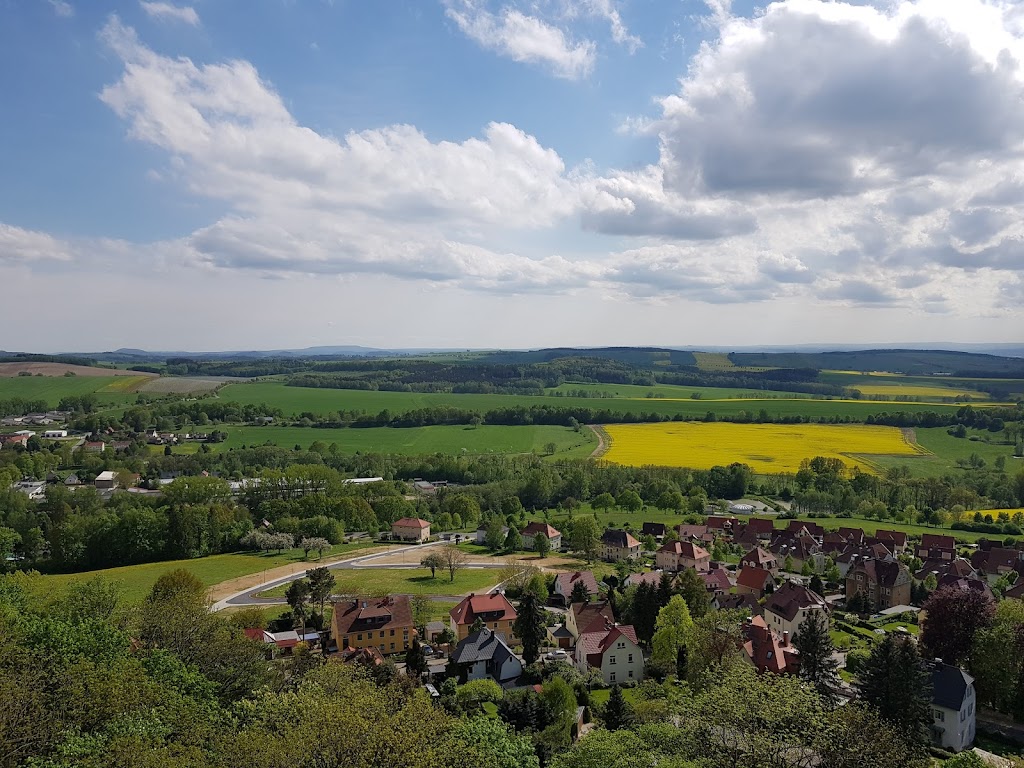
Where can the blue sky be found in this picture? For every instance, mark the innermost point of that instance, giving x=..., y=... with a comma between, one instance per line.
x=479, y=173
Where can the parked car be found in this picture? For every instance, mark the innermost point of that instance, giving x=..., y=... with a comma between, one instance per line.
x=556, y=655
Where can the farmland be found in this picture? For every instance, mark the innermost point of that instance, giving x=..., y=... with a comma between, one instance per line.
x=670, y=392
x=295, y=400
x=419, y=440
x=109, y=389
x=765, y=447
x=943, y=450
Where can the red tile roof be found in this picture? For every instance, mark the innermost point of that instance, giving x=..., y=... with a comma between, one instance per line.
x=410, y=522
x=538, y=527
x=564, y=582
x=767, y=651
x=595, y=643
x=758, y=558
x=937, y=541
x=760, y=525
x=588, y=615
x=789, y=599
x=685, y=549
x=494, y=607
x=716, y=580
x=753, y=578
x=363, y=614
x=898, y=538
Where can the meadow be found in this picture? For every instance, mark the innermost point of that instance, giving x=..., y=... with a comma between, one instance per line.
x=419, y=440
x=672, y=392
x=295, y=400
x=110, y=390
x=942, y=451
x=880, y=384
x=766, y=448
x=398, y=581
x=137, y=580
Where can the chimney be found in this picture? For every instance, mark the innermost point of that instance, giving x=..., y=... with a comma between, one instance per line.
x=785, y=639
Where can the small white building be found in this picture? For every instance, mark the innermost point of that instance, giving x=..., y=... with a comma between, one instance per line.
x=953, y=707
x=106, y=480
x=55, y=434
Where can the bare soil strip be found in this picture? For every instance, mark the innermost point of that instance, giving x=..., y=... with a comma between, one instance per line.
x=603, y=441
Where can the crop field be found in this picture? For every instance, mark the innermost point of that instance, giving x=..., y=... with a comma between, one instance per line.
x=123, y=384
x=918, y=390
x=883, y=384
x=942, y=451
x=420, y=440
x=59, y=369
x=295, y=400
x=765, y=447
x=670, y=392
x=187, y=384
x=53, y=388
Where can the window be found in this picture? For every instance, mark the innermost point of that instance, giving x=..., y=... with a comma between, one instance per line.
x=940, y=715
x=611, y=659
x=495, y=625
x=621, y=645
x=611, y=678
x=631, y=661
x=392, y=646
x=631, y=673
x=359, y=636
x=392, y=633
x=382, y=633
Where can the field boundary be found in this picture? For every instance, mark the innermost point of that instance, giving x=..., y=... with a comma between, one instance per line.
x=604, y=441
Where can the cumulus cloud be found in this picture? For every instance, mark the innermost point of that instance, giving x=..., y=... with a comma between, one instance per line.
x=169, y=12
x=524, y=38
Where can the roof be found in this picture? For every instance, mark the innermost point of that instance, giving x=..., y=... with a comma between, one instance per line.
x=483, y=645
x=884, y=572
x=722, y=522
x=758, y=556
x=692, y=531
x=587, y=615
x=960, y=568
x=685, y=549
x=495, y=607
x=812, y=528
x=996, y=558
x=652, y=577
x=288, y=639
x=106, y=475
x=410, y=522
x=717, y=579
x=259, y=635
x=564, y=582
x=369, y=655
x=1017, y=590
x=753, y=578
x=965, y=585
x=596, y=642
x=856, y=534
x=739, y=602
x=937, y=541
x=949, y=686
x=789, y=599
x=766, y=650
x=362, y=614
x=760, y=525
x=654, y=529
x=615, y=538
x=538, y=527
x=899, y=538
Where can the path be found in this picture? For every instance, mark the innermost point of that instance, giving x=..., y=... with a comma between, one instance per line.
x=602, y=441
x=248, y=596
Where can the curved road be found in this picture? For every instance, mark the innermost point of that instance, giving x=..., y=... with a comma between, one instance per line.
x=248, y=597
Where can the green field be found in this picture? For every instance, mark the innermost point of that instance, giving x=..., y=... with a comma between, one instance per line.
x=946, y=449
x=421, y=440
x=137, y=580
x=53, y=388
x=295, y=400
x=670, y=392
x=403, y=581
x=919, y=386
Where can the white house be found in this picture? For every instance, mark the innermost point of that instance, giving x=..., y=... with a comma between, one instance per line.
x=953, y=707
x=55, y=434
x=788, y=607
x=613, y=649
x=529, y=532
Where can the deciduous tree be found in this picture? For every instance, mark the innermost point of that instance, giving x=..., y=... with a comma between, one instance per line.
x=953, y=618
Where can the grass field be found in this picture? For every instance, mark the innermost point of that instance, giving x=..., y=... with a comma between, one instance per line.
x=53, y=388
x=670, y=392
x=944, y=449
x=137, y=580
x=380, y=581
x=294, y=400
x=919, y=390
x=713, y=361
x=420, y=440
x=765, y=447
x=890, y=384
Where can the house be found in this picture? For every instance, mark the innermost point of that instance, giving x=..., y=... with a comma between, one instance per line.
x=432, y=629
x=747, y=603
x=1017, y=590
x=651, y=578
x=55, y=434
x=72, y=480
x=12, y=441
x=410, y=529
x=896, y=541
x=883, y=583
x=480, y=537
x=581, y=617
x=424, y=486
x=722, y=526
x=553, y=534
x=768, y=651
x=384, y=623
x=761, y=527
x=790, y=605
x=998, y=561
x=95, y=446
x=106, y=480
x=286, y=641
x=657, y=530
x=978, y=585
x=936, y=547
x=700, y=533
x=854, y=554
x=852, y=535
x=799, y=550
x=754, y=581
x=613, y=649
x=760, y=558
x=485, y=654
x=618, y=545
x=370, y=656
x=678, y=555
x=566, y=582
x=121, y=445
x=796, y=527
x=960, y=568
x=717, y=581
x=953, y=702
x=494, y=610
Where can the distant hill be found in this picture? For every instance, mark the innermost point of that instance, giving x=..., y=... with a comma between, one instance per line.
x=908, y=361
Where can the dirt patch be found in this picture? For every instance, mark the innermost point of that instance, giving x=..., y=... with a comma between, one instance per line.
x=59, y=369
x=231, y=586
x=188, y=384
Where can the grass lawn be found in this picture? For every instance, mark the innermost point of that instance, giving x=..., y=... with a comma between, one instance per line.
x=137, y=580
x=423, y=440
x=599, y=696
x=374, y=581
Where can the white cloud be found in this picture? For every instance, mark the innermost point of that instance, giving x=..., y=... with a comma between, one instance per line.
x=607, y=10
x=63, y=9
x=169, y=12
x=524, y=38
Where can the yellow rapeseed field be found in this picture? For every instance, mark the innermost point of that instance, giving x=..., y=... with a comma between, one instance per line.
x=918, y=390
x=765, y=447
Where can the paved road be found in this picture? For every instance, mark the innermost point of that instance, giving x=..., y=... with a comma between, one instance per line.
x=248, y=597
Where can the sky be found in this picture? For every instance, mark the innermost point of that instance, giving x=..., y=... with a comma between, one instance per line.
x=263, y=174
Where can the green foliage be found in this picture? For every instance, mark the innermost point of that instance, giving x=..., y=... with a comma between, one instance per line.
x=472, y=695
x=897, y=685
x=617, y=713
x=817, y=664
x=492, y=743
x=541, y=544
x=673, y=630
x=530, y=626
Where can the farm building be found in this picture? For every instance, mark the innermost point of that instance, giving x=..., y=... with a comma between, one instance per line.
x=54, y=434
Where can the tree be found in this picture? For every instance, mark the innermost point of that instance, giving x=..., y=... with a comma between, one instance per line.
x=541, y=544
x=560, y=700
x=298, y=597
x=643, y=612
x=433, y=561
x=321, y=583
x=694, y=592
x=617, y=712
x=817, y=664
x=490, y=742
x=585, y=536
x=177, y=582
x=896, y=683
x=816, y=586
x=997, y=659
x=630, y=501
x=514, y=540
x=580, y=593
x=314, y=542
x=855, y=736
x=954, y=617
x=603, y=501
x=474, y=694
x=673, y=629
x=420, y=605
x=415, y=660
x=529, y=626
x=454, y=560
x=494, y=535
x=10, y=540
x=787, y=564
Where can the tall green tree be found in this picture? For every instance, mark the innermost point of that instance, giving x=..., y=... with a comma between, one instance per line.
x=896, y=683
x=580, y=593
x=494, y=535
x=617, y=712
x=529, y=625
x=541, y=545
x=415, y=660
x=514, y=540
x=673, y=630
x=297, y=595
x=818, y=665
x=694, y=592
x=585, y=536
x=321, y=584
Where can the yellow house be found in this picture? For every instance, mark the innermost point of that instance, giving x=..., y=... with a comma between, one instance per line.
x=411, y=529
x=384, y=623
